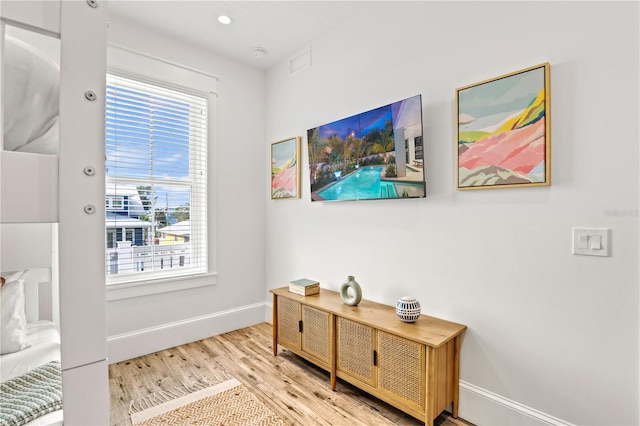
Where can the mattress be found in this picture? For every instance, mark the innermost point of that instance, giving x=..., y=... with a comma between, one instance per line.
x=31, y=99
x=50, y=419
x=45, y=346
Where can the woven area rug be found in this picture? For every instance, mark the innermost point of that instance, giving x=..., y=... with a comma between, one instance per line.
x=226, y=403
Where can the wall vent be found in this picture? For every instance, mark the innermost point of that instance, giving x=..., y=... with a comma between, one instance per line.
x=300, y=60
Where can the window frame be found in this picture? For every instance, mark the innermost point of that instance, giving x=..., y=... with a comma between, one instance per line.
x=127, y=63
x=125, y=94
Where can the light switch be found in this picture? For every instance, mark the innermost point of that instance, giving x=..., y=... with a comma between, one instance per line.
x=591, y=241
x=583, y=241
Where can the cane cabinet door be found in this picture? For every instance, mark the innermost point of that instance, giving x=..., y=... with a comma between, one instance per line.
x=355, y=350
x=401, y=369
x=316, y=327
x=288, y=323
x=305, y=331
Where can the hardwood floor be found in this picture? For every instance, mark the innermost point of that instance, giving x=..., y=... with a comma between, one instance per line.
x=293, y=388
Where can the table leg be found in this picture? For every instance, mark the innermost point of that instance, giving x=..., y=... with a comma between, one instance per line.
x=274, y=312
x=456, y=376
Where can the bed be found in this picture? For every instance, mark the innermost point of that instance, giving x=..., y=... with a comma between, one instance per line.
x=29, y=161
x=29, y=333
x=49, y=132
x=30, y=359
x=30, y=367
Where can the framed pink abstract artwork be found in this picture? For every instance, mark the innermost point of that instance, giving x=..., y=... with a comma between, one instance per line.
x=285, y=169
x=504, y=131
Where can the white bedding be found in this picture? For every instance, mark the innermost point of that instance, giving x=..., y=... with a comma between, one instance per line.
x=45, y=346
x=31, y=99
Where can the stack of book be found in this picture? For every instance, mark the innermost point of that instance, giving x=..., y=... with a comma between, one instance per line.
x=304, y=287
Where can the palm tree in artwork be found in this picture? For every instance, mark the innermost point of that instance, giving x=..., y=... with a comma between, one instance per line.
x=347, y=152
x=382, y=140
x=317, y=153
x=338, y=150
x=358, y=147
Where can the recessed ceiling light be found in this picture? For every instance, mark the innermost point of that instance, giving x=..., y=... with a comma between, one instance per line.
x=224, y=19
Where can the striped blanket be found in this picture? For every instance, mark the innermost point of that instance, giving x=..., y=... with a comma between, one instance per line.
x=31, y=395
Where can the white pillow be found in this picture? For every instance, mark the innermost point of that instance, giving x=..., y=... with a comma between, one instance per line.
x=13, y=327
x=31, y=97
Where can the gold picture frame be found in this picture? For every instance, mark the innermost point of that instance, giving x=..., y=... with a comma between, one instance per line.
x=504, y=131
x=285, y=169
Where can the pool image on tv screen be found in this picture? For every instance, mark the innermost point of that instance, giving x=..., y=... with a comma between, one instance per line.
x=377, y=154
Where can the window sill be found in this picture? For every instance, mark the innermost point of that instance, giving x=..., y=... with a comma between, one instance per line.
x=147, y=288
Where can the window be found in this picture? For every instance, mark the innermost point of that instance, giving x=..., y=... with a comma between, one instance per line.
x=156, y=181
x=111, y=239
x=114, y=203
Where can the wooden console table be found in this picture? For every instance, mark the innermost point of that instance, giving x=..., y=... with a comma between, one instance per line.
x=412, y=366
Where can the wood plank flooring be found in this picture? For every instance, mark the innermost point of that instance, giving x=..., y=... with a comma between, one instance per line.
x=296, y=390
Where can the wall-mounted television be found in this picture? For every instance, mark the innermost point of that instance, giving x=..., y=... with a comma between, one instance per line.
x=377, y=154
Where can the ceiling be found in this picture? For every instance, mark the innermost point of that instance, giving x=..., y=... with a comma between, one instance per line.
x=282, y=28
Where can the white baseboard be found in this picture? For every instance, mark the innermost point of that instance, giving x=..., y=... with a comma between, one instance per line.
x=149, y=340
x=482, y=407
x=268, y=312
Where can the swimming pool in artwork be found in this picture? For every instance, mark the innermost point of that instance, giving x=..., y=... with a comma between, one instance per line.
x=365, y=183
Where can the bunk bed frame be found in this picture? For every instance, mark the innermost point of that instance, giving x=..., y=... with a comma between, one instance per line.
x=69, y=189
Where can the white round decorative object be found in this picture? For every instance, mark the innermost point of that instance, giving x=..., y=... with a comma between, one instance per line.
x=408, y=309
x=356, y=296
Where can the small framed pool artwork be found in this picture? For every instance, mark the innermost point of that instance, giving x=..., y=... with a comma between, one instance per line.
x=504, y=131
x=285, y=169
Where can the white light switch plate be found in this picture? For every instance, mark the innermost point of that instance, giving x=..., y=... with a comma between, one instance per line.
x=591, y=241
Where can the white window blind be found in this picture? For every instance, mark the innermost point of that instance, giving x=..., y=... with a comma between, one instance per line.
x=156, y=175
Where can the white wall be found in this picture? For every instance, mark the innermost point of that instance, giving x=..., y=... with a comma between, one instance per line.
x=144, y=324
x=552, y=337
